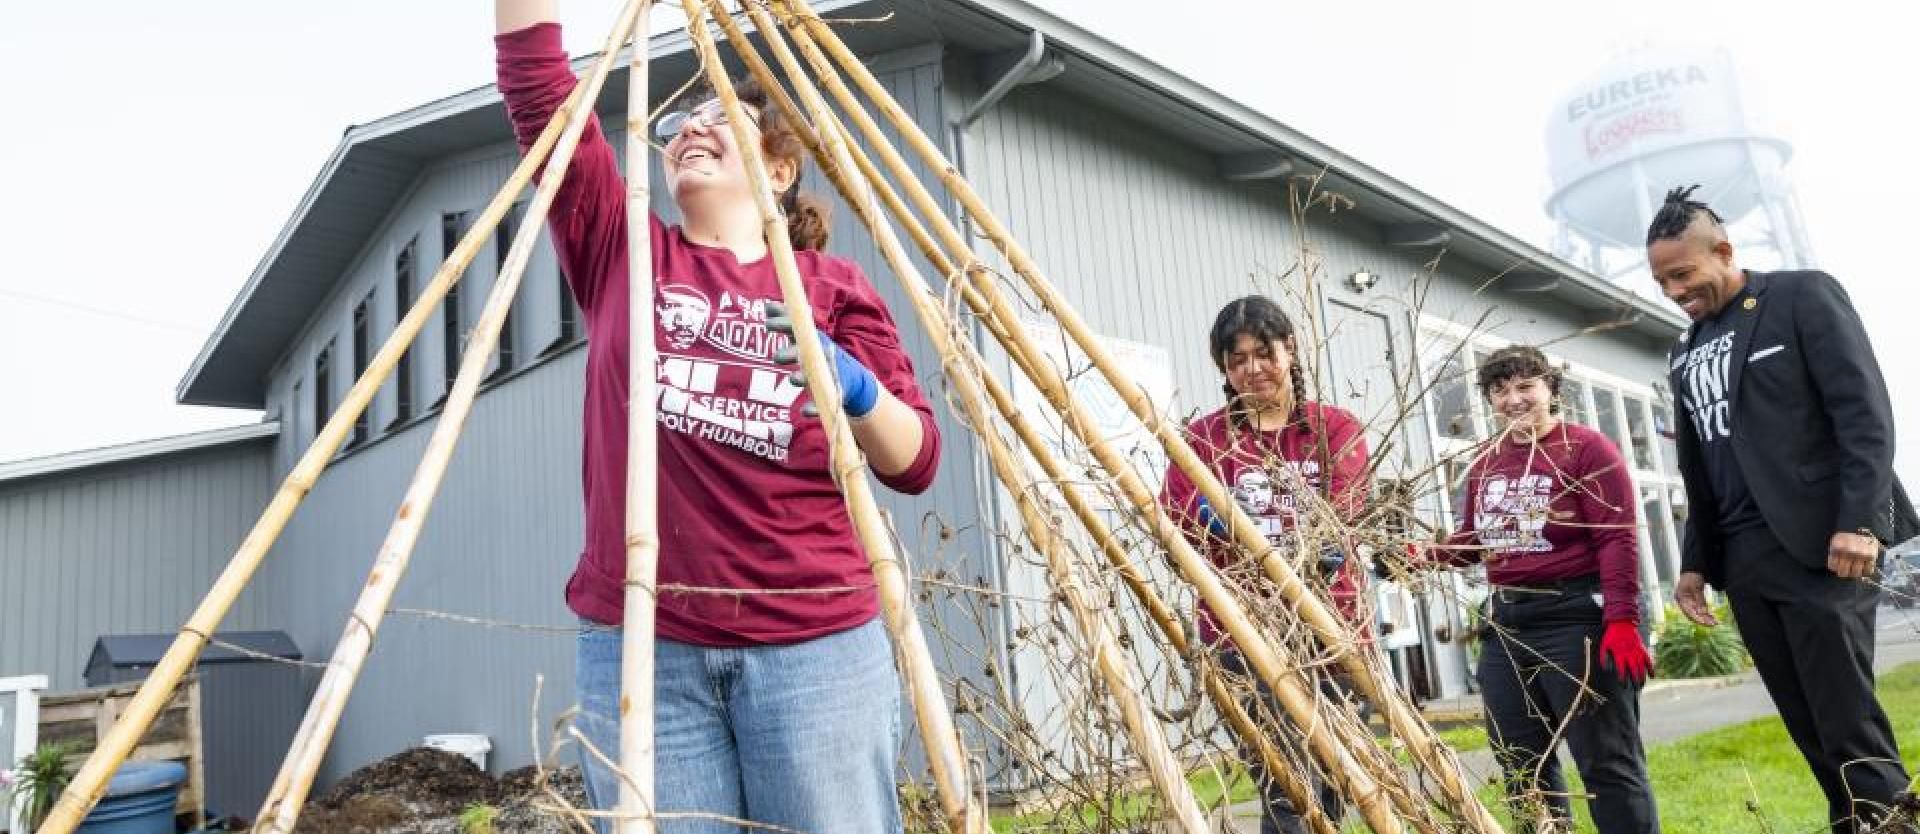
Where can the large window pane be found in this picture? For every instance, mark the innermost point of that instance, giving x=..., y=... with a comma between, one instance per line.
x=1453, y=399
x=1479, y=399
x=1640, y=433
x=1654, y=514
x=1606, y=415
x=1663, y=430
x=1573, y=402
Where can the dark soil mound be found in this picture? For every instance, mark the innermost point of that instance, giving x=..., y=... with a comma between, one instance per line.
x=423, y=791
x=426, y=782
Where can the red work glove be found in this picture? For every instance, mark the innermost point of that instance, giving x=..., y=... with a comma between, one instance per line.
x=1621, y=649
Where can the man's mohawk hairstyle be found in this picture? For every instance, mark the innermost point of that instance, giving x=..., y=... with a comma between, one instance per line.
x=1677, y=213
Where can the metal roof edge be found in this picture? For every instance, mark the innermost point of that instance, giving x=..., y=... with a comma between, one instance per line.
x=1193, y=94
x=101, y=456
x=1016, y=13
x=354, y=136
x=183, y=390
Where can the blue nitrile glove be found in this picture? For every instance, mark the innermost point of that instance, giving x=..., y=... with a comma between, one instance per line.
x=859, y=390
x=1332, y=558
x=1214, y=523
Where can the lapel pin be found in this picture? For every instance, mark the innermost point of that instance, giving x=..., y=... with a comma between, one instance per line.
x=1750, y=303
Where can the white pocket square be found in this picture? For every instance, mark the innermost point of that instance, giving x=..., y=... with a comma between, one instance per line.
x=1762, y=354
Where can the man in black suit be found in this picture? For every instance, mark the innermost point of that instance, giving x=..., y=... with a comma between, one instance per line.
x=1786, y=445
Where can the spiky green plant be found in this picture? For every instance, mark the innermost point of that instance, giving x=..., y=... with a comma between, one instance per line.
x=38, y=781
x=1686, y=649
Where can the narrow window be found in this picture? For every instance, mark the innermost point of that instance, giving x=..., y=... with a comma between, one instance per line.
x=502, y=244
x=403, y=296
x=361, y=424
x=569, y=316
x=322, y=387
x=294, y=429
x=453, y=335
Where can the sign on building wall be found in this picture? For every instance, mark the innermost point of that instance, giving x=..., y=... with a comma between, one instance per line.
x=1149, y=366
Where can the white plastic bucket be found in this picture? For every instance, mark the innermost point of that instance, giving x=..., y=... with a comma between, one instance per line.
x=471, y=745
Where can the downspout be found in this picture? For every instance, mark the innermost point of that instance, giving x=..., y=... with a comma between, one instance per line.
x=1015, y=76
x=1032, y=67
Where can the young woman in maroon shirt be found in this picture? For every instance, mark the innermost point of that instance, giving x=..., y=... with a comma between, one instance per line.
x=779, y=708
x=1550, y=513
x=1279, y=455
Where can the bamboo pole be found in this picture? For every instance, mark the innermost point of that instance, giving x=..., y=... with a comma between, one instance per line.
x=1111, y=661
x=636, y=801
x=937, y=730
x=1305, y=604
x=281, y=810
x=157, y=690
x=865, y=196
x=861, y=195
x=1157, y=610
x=1287, y=680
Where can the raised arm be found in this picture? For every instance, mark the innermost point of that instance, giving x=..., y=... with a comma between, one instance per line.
x=515, y=15
x=589, y=215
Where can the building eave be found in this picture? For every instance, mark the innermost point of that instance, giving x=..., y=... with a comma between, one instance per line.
x=378, y=161
x=75, y=461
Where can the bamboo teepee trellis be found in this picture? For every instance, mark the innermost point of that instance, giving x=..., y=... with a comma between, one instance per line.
x=1364, y=773
x=90, y=781
x=840, y=160
x=811, y=34
x=944, y=754
x=289, y=792
x=1096, y=627
x=1362, y=667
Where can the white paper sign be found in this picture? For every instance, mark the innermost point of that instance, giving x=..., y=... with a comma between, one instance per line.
x=1148, y=366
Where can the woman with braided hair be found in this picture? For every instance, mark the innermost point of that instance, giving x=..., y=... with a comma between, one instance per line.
x=776, y=699
x=1278, y=454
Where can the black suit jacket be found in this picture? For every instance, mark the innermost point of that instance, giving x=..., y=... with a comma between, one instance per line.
x=1812, y=427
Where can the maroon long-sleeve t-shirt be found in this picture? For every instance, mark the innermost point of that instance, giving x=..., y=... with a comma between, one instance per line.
x=1559, y=508
x=746, y=500
x=1273, y=476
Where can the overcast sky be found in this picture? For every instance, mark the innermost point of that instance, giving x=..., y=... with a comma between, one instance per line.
x=156, y=149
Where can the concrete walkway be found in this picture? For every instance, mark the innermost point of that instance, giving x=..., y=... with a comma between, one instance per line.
x=1675, y=709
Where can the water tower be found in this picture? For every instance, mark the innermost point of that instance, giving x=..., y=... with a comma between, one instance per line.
x=1652, y=120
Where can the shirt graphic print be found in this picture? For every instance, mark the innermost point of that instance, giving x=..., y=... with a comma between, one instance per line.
x=743, y=400
x=1272, y=506
x=1511, y=513
x=1703, y=376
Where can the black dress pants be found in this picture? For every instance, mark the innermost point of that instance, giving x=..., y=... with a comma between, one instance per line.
x=1541, y=681
x=1811, y=635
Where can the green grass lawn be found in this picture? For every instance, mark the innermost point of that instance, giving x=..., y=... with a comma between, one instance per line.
x=1749, y=777
x=1210, y=787
x=1741, y=778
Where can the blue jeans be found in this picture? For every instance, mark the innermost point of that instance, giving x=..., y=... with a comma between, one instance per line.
x=803, y=736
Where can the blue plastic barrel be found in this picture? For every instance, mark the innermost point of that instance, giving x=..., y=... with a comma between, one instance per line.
x=139, y=800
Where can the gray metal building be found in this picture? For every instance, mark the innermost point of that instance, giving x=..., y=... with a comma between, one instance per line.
x=1150, y=201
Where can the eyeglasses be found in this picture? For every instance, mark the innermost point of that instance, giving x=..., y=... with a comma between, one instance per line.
x=710, y=115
